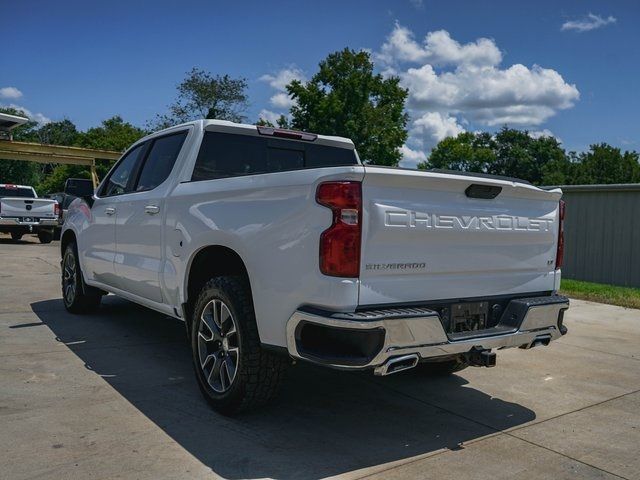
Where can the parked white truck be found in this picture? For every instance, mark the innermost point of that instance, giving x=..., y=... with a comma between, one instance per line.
x=22, y=212
x=273, y=244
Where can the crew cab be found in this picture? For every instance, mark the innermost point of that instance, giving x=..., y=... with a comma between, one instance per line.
x=22, y=212
x=275, y=245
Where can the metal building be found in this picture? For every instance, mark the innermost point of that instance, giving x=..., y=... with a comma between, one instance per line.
x=602, y=233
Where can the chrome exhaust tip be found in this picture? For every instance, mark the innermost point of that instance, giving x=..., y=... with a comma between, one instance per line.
x=397, y=364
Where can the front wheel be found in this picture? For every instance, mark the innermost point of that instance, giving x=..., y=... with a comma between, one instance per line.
x=233, y=371
x=76, y=295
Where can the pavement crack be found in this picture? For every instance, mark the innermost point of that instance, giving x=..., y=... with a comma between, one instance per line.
x=567, y=456
x=54, y=265
x=498, y=430
x=560, y=415
x=600, y=351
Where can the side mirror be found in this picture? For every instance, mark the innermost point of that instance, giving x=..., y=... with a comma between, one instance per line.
x=80, y=187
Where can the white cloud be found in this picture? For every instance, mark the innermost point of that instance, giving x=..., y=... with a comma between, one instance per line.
x=545, y=132
x=37, y=117
x=452, y=84
x=438, y=48
x=490, y=95
x=279, y=82
x=10, y=92
x=432, y=127
x=269, y=116
x=588, y=22
x=411, y=158
x=281, y=100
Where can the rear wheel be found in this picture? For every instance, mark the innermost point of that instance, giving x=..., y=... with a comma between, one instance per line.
x=76, y=295
x=234, y=373
x=444, y=367
x=45, y=236
x=16, y=236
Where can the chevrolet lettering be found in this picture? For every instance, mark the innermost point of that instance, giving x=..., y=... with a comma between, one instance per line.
x=411, y=219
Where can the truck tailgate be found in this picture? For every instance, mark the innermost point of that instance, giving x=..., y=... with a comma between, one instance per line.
x=425, y=238
x=27, y=207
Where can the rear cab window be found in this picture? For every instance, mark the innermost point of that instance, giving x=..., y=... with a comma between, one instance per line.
x=22, y=192
x=225, y=155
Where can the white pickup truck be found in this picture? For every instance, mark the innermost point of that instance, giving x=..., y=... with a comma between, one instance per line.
x=274, y=244
x=22, y=212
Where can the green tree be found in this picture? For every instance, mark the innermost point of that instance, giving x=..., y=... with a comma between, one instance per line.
x=606, y=164
x=203, y=95
x=281, y=122
x=468, y=152
x=19, y=172
x=561, y=171
x=63, y=132
x=510, y=152
x=113, y=134
x=346, y=98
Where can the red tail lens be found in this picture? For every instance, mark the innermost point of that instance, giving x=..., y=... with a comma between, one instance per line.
x=560, y=251
x=340, y=243
x=56, y=209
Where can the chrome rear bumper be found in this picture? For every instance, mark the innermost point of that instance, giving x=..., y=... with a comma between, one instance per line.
x=527, y=322
x=37, y=222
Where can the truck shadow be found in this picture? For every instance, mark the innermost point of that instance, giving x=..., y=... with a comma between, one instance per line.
x=324, y=422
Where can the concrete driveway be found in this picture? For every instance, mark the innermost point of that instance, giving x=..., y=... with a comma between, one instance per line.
x=112, y=395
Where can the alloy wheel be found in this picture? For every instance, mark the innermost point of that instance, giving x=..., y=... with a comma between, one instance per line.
x=218, y=347
x=69, y=279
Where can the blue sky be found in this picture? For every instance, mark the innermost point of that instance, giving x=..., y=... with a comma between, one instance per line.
x=468, y=65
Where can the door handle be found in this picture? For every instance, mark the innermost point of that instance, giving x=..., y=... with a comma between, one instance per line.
x=109, y=211
x=151, y=209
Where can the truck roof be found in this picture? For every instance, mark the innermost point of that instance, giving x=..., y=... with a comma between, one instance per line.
x=248, y=129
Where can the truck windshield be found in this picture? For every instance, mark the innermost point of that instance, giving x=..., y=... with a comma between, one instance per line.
x=16, y=192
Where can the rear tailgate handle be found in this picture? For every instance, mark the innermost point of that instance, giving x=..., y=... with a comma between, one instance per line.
x=488, y=192
x=151, y=209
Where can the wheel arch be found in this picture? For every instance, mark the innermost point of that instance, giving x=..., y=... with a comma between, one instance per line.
x=210, y=261
x=67, y=237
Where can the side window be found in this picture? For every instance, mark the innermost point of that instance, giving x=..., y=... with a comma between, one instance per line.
x=160, y=160
x=117, y=182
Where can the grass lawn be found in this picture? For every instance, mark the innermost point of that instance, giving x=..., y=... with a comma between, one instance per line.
x=598, y=292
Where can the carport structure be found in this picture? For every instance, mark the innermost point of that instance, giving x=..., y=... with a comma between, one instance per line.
x=42, y=153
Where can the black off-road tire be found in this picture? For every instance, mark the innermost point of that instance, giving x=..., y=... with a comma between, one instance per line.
x=16, y=237
x=259, y=373
x=45, y=236
x=443, y=368
x=83, y=299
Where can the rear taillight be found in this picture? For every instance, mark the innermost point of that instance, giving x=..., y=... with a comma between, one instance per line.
x=56, y=209
x=560, y=251
x=340, y=243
